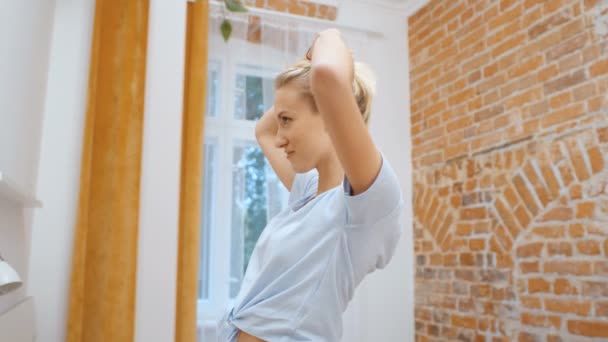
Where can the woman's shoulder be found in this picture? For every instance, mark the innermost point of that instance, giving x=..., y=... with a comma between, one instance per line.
x=378, y=201
x=304, y=184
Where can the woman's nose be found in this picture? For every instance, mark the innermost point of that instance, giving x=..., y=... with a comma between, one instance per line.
x=279, y=140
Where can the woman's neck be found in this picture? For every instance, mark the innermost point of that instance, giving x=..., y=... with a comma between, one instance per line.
x=330, y=172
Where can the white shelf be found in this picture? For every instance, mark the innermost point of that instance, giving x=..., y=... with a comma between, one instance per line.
x=11, y=191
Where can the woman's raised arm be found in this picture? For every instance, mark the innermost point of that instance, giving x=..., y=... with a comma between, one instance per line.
x=331, y=83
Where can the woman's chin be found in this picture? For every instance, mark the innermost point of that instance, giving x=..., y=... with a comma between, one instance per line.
x=299, y=168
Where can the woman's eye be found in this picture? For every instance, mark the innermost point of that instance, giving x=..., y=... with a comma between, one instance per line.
x=285, y=120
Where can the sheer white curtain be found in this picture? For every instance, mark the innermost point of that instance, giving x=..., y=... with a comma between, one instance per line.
x=241, y=192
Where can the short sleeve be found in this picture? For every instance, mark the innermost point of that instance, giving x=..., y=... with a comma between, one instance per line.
x=304, y=184
x=377, y=202
x=375, y=222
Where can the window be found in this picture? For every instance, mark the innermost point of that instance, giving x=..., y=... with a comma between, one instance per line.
x=240, y=193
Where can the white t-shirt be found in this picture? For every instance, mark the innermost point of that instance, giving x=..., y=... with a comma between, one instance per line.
x=311, y=256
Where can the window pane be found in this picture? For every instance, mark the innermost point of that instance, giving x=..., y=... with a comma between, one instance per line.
x=213, y=89
x=253, y=95
x=257, y=196
x=277, y=194
x=208, y=215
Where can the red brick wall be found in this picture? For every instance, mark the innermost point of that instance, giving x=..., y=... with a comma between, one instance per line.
x=297, y=7
x=510, y=138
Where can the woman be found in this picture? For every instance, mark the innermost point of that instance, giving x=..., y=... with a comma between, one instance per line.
x=343, y=220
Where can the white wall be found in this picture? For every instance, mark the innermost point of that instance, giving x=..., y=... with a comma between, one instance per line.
x=383, y=306
x=160, y=179
x=25, y=28
x=59, y=172
x=25, y=31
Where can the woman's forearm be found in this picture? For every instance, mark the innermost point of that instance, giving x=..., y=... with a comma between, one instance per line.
x=329, y=54
x=267, y=125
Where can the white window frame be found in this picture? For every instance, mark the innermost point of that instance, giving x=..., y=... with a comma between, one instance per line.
x=225, y=132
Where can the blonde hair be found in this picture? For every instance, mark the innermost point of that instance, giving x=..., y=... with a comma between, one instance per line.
x=364, y=84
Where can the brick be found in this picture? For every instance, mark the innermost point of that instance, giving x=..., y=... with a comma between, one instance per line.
x=576, y=230
x=585, y=210
x=578, y=162
x=507, y=218
x=563, y=286
x=550, y=231
x=526, y=66
x=525, y=193
x=576, y=192
x=550, y=180
x=584, y=92
x=463, y=321
x=503, y=261
x=568, y=306
x=595, y=288
x=466, y=275
x=473, y=213
x=529, y=267
x=436, y=259
x=477, y=244
x=589, y=247
x=461, y=97
x=598, y=68
x=559, y=248
x=447, y=242
x=570, y=62
x=536, y=285
x=548, y=73
x=520, y=85
x=437, y=224
x=522, y=216
x=494, y=275
x=531, y=302
x=505, y=17
x=568, y=113
x=464, y=228
x=588, y=328
x=564, y=82
x=595, y=104
x=566, y=174
x=509, y=44
x=459, y=124
x=573, y=44
x=488, y=113
x=560, y=100
x=447, y=223
x=596, y=158
x=547, y=24
x=554, y=338
x=511, y=197
x=495, y=246
x=528, y=337
x=558, y=214
x=602, y=134
x=540, y=320
x=568, y=267
x=537, y=184
x=432, y=330
x=467, y=259
x=600, y=268
x=528, y=250
x=450, y=260
x=601, y=309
